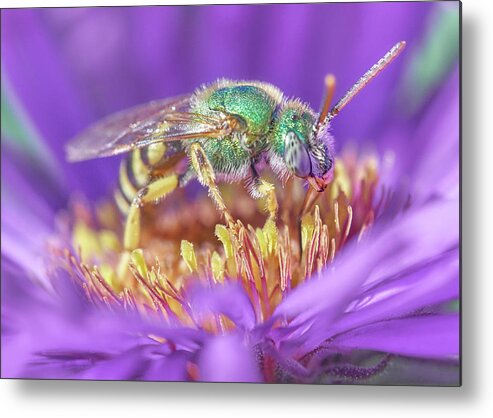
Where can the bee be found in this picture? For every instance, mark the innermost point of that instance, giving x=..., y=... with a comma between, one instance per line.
x=224, y=131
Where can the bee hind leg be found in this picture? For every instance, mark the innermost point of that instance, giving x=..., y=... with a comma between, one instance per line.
x=207, y=177
x=152, y=193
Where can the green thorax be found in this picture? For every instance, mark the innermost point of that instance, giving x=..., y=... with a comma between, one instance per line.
x=251, y=103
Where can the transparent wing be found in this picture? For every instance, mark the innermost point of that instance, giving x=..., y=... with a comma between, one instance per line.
x=158, y=121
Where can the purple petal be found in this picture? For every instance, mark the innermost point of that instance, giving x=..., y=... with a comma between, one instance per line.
x=60, y=335
x=429, y=285
x=229, y=299
x=427, y=336
x=425, y=151
x=142, y=362
x=25, y=227
x=417, y=237
x=228, y=359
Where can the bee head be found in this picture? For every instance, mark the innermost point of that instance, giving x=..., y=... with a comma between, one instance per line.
x=305, y=153
x=303, y=144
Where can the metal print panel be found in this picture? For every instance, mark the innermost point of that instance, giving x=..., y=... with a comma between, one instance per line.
x=239, y=193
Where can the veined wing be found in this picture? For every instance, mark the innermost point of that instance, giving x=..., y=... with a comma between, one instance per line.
x=159, y=121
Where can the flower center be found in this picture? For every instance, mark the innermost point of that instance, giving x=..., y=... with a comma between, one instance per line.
x=184, y=241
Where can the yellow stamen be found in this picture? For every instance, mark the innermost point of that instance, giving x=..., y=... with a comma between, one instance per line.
x=217, y=266
x=188, y=254
x=139, y=262
x=86, y=240
x=183, y=241
x=223, y=235
x=341, y=182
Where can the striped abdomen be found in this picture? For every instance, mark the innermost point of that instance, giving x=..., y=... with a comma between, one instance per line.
x=139, y=167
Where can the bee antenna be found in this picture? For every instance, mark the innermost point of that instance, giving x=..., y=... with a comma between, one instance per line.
x=330, y=86
x=364, y=80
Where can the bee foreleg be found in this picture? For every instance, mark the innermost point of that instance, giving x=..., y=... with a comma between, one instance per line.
x=206, y=176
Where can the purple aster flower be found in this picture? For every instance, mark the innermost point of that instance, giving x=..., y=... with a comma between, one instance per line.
x=368, y=294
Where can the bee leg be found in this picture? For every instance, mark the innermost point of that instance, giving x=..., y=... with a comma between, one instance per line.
x=311, y=198
x=153, y=192
x=206, y=176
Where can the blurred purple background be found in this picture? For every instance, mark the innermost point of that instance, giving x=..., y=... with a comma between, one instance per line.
x=69, y=67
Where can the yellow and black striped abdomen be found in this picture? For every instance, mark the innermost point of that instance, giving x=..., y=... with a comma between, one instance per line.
x=135, y=172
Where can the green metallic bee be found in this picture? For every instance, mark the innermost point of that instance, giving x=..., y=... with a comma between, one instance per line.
x=228, y=131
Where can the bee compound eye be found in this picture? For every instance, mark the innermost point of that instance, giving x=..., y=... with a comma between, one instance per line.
x=296, y=155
